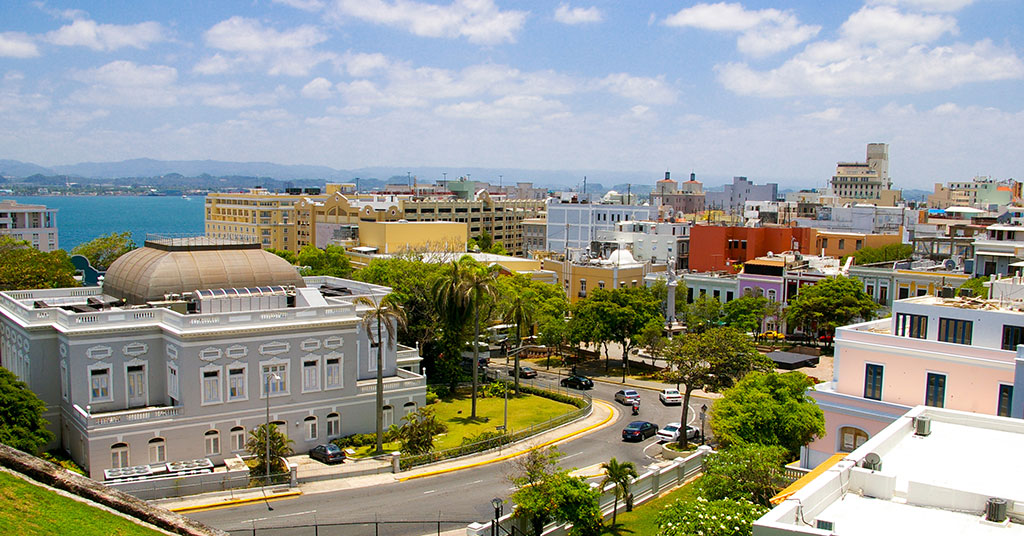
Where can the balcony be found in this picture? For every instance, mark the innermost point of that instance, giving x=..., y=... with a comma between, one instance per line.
x=402, y=380
x=130, y=416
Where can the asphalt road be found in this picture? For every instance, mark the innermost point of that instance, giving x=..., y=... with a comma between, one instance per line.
x=460, y=496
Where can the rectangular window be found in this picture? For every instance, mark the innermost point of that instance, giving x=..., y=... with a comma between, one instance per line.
x=873, y=382
x=310, y=375
x=99, y=382
x=913, y=326
x=236, y=384
x=157, y=452
x=955, y=331
x=824, y=242
x=311, y=429
x=333, y=372
x=211, y=386
x=212, y=444
x=276, y=378
x=1012, y=336
x=333, y=425
x=172, y=382
x=859, y=244
x=1005, y=399
x=842, y=243
x=64, y=380
x=935, y=390
x=728, y=296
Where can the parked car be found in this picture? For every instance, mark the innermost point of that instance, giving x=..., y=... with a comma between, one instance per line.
x=577, y=382
x=639, y=430
x=627, y=396
x=670, y=397
x=671, y=432
x=773, y=335
x=327, y=453
x=524, y=372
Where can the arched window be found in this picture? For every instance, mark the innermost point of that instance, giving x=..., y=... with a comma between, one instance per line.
x=333, y=425
x=851, y=438
x=212, y=442
x=119, y=455
x=389, y=416
x=157, y=450
x=409, y=407
x=311, y=428
x=237, y=439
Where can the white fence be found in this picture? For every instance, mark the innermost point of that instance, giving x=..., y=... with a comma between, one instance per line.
x=644, y=487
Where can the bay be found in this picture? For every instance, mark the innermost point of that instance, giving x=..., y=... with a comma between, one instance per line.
x=83, y=218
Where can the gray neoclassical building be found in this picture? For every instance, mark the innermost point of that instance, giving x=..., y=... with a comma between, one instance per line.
x=173, y=358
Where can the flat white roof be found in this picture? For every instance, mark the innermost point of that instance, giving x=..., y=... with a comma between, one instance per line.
x=853, y=514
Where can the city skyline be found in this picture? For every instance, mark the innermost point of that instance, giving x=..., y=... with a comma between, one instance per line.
x=774, y=91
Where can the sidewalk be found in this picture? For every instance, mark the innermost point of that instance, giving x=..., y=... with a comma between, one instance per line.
x=602, y=416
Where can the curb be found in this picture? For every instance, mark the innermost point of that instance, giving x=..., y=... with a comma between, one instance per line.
x=236, y=502
x=611, y=414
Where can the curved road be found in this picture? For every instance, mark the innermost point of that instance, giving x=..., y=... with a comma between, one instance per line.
x=458, y=496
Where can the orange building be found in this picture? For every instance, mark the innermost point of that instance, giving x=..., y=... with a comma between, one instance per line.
x=714, y=248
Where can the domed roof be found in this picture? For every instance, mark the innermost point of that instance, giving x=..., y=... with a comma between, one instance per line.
x=620, y=257
x=176, y=266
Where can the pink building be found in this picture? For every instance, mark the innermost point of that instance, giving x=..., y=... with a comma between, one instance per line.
x=955, y=353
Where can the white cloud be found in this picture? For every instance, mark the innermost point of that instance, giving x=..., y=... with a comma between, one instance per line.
x=762, y=32
x=239, y=34
x=361, y=64
x=828, y=114
x=305, y=5
x=106, y=37
x=275, y=114
x=217, y=64
x=124, y=83
x=479, y=21
x=639, y=88
x=577, y=15
x=512, y=107
x=128, y=74
x=317, y=88
x=925, y=5
x=890, y=28
x=17, y=45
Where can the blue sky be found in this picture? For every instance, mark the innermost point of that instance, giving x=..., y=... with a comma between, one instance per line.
x=771, y=90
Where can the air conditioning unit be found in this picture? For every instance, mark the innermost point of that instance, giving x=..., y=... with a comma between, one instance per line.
x=872, y=462
x=923, y=426
x=995, y=510
x=822, y=524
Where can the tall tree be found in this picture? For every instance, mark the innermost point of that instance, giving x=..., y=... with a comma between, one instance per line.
x=746, y=313
x=256, y=445
x=22, y=425
x=705, y=312
x=453, y=313
x=621, y=475
x=104, y=250
x=768, y=408
x=25, y=267
x=546, y=493
x=330, y=260
x=383, y=318
x=519, y=311
x=710, y=361
x=477, y=285
x=653, y=339
x=831, y=303
x=622, y=314
x=752, y=472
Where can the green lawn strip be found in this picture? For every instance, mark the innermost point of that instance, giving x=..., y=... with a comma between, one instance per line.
x=28, y=510
x=523, y=412
x=643, y=520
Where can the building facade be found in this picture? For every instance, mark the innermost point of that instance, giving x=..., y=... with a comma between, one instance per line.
x=34, y=224
x=619, y=270
x=572, y=223
x=257, y=215
x=734, y=197
x=716, y=248
x=682, y=199
x=180, y=352
x=865, y=181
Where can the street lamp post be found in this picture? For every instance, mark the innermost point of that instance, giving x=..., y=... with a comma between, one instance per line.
x=496, y=503
x=266, y=426
x=703, y=412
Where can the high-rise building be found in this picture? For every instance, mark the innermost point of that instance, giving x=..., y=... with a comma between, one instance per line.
x=34, y=224
x=868, y=180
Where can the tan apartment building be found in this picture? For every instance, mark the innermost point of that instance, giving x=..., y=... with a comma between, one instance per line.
x=35, y=224
x=620, y=270
x=866, y=181
x=258, y=215
x=839, y=245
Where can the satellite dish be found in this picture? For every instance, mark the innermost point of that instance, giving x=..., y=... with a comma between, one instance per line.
x=872, y=461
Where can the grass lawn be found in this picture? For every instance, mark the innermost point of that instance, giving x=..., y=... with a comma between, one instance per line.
x=523, y=411
x=29, y=510
x=643, y=520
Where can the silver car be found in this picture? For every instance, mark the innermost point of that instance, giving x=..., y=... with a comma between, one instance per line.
x=627, y=396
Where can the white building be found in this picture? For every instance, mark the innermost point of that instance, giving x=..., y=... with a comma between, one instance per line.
x=573, y=225
x=867, y=219
x=931, y=471
x=734, y=196
x=34, y=224
x=658, y=242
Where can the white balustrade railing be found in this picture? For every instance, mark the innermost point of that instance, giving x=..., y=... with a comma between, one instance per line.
x=94, y=420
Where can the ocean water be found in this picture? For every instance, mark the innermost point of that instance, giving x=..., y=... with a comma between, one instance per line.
x=83, y=218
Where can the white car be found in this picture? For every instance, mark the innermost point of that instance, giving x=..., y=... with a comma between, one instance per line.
x=671, y=432
x=670, y=396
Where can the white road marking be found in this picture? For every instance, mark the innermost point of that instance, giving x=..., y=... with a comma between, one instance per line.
x=476, y=482
x=297, y=514
x=431, y=491
x=571, y=455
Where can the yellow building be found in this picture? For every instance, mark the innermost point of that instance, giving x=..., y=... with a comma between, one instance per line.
x=254, y=216
x=620, y=270
x=839, y=245
x=401, y=236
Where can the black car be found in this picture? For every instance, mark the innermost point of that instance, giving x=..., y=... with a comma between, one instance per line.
x=578, y=382
x=524, y=372
x=327, y=453
x=639, y=431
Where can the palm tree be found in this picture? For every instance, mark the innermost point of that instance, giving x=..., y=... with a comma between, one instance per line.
x=453, y=312
x=386, y=315
x=519, y=312
x=476, y=283
x=280, y=446
x=621, y=475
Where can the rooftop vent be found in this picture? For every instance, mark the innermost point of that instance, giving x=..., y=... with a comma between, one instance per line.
x=995, y=510
x=822, y=524
x=872, y=462
x=922, y=426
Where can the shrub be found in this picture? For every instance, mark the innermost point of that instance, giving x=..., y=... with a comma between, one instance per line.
x=60, y=458
x=442, y=391
x=557, y=397
x=494, y=389
x=432, y=398
x=356, y=440
x=725, y=517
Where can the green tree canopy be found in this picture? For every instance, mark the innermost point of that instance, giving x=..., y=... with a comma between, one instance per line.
x=746, y=313
x=767, y=408
x=24, y=267
x=751, y=472
x=619, y=315
x=256, y=445
x=976, y=285
x=886, y=253
x=22, y=425
x=485, y=243
x=621, y=475
x=831, y=303
x=545, y=493
x=104, y=250
x=705, y=312
x=710, y=361
x=418, y=431
x=330, y=261
x=723, y=517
